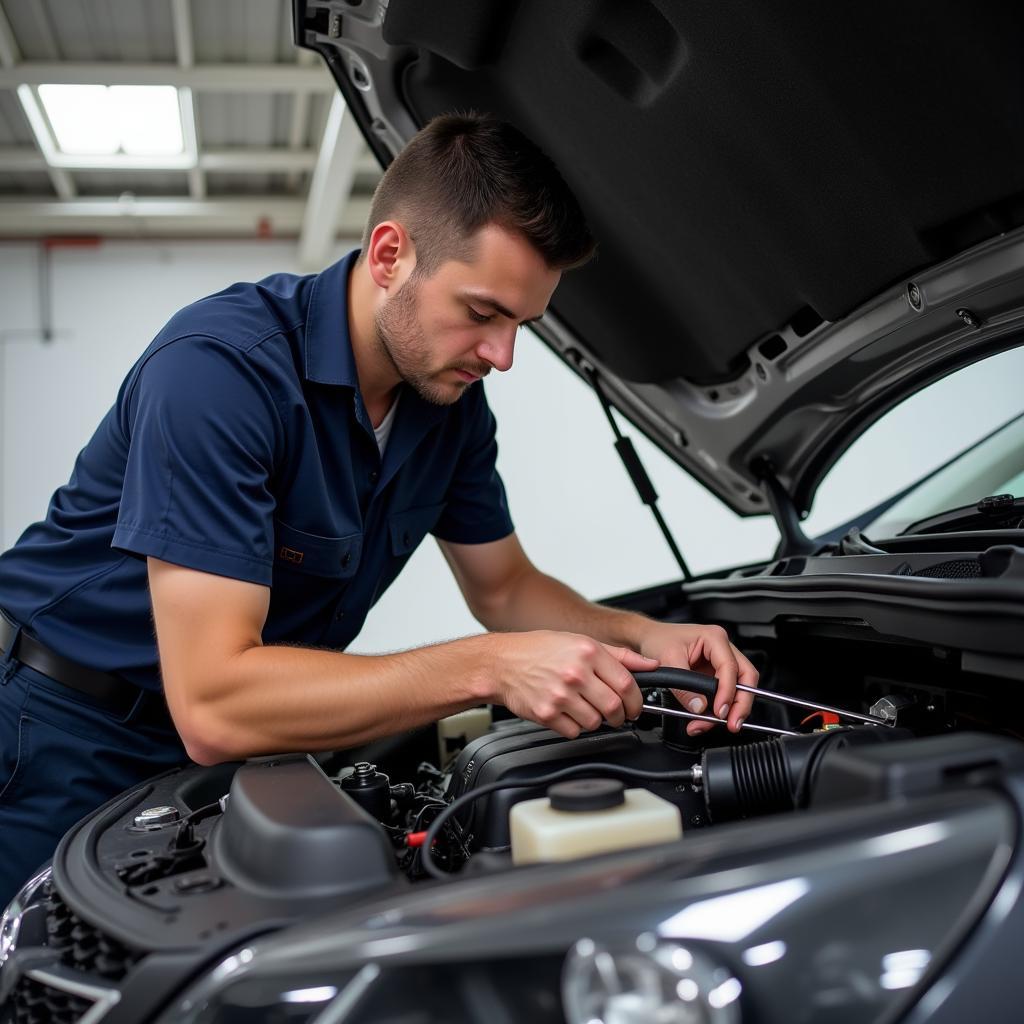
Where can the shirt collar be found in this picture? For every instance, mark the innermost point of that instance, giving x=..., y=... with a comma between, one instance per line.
x=329, y=360
x=328, y=355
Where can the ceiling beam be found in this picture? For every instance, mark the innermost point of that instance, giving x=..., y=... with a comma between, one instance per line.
x=59, y=177
x=255, y=216
x=190, y=140
x=184, y=48
x=181, y=21
x=241, y=161
x=212, y=77
x=238, y=160
x=331, y=185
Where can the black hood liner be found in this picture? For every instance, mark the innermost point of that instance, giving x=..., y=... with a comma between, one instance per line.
x=744, y=165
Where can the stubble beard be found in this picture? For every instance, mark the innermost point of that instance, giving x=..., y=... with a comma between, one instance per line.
x=401, y=340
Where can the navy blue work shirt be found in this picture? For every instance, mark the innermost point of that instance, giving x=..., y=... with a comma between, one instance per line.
x=240, y=445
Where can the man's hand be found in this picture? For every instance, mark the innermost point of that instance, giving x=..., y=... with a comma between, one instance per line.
x=704, y=649
x=567, y=682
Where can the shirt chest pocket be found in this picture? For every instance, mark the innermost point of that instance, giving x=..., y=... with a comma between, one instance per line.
x=408, y=528
x=309, y=553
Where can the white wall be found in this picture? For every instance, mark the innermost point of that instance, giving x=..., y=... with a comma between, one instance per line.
x=573, y=505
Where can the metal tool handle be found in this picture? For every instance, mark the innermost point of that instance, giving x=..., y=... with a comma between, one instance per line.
x=673, y=713
x=684, y=679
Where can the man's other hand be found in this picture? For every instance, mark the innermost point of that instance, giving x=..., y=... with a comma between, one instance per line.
x=567, y=682
x=704, y=649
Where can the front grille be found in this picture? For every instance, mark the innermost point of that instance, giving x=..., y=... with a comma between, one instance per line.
x=83, y=946
x=36, y=1003
x=89, y=958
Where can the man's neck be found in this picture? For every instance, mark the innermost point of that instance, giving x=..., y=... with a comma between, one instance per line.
x=378, y=378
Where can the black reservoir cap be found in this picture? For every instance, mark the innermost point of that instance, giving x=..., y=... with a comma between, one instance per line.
x=587, y=795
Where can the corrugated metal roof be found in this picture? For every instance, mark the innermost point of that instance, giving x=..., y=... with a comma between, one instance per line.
x=25, y=183
x=235, y=119
x=89, y=30
x=116, y=183
x=221, y=183
x=243, y=31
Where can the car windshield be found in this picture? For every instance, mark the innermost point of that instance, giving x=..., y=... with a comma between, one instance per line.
x=994, y=465
x=952, y=443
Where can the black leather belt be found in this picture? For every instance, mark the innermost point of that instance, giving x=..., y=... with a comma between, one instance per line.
x=109, y=691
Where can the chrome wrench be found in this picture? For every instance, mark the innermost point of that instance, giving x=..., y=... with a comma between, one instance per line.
x=684, y=679
x=672, y=712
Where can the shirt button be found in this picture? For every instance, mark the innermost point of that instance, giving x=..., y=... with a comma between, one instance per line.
x=346, y=559
x=374, y=476
x=406, y=539
x=338, y=616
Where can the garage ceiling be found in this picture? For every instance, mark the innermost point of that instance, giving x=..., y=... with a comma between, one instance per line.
x=270, y=150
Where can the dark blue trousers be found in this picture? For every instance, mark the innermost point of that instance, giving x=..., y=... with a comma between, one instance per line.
x=62, y=756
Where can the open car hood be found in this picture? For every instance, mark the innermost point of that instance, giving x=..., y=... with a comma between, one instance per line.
x=803, y=215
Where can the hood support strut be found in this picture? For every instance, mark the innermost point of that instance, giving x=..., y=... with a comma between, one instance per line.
x=635, y=469
x=793, y=540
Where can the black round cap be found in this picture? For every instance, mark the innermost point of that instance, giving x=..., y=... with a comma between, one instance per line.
x=587, y=795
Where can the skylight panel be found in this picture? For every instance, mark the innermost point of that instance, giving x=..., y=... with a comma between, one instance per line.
x=100, y=120
x=81, y=117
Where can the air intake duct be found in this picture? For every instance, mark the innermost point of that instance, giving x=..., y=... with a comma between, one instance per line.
x=776, y=774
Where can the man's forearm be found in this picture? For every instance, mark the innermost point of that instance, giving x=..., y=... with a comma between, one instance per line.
x=289, y=698
x=538, y=601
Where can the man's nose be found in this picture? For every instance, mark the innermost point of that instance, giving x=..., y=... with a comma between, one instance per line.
x=498, y=349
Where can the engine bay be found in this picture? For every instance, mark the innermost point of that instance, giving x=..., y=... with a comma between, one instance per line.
x=199, y=860
x=340, y=824
x=276, y=832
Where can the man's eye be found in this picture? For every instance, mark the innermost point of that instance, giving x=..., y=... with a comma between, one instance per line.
x=478, y=318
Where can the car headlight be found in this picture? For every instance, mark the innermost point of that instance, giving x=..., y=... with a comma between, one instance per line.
x=647, y=980
x=29, y=895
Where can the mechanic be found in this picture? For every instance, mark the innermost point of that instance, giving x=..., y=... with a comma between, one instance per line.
x=270, y=463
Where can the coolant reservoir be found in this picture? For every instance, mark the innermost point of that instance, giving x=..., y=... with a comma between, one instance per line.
x=587, y=816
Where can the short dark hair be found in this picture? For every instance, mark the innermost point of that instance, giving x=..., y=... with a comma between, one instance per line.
x=463, y=171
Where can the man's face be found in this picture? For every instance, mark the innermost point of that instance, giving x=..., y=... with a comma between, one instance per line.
x=448, y=330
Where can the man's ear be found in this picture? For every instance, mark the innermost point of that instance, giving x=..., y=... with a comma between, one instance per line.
x=390, y=256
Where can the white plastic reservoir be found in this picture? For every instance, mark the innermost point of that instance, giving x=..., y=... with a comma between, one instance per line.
x=588, y=816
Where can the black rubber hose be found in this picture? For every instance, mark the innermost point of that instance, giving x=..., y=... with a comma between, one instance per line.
x=676, y=679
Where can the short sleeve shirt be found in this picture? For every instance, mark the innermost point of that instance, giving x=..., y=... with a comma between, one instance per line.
x=239, y=445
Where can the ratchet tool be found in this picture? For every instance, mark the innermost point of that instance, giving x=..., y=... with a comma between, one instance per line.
x=683, y=679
